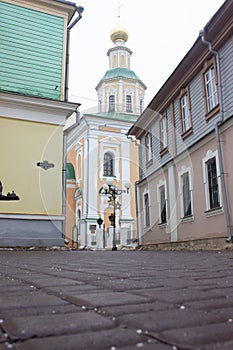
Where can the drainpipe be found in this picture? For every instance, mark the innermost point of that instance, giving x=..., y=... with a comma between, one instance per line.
x=139, y=236
x=217, y=134
x=80, y=10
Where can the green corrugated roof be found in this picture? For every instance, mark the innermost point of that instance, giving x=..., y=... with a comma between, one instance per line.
x=120, y=72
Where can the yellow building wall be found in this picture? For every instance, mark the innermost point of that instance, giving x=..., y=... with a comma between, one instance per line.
x=22, y=145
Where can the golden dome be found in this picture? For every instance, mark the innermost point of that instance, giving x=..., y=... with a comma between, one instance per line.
x=119, y=33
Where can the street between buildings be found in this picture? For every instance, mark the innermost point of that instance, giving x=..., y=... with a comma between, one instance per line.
x=116, y=300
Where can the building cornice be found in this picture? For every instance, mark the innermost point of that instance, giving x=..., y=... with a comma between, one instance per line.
x=56, y=7
x=119, y=48
x=16, y=106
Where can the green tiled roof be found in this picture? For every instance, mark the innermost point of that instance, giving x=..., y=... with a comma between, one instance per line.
x=120, y=73
x=126, y=117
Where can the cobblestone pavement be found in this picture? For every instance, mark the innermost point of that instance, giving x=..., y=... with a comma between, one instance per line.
x=116, y=300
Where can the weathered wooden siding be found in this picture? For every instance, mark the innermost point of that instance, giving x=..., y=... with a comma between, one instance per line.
x=226, y=62
x=31, y=50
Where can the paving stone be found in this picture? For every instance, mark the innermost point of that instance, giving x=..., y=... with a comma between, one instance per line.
x=154, y=345
x=28, y=300
x=19, y=289
x=42, y=310
x=210, y=304
x=107, y=298
x=103, y=339
x=157, y=321
x=47, y=325
x=6, y=346
x=200, y=335
x=135, y=308
x=182, y=298
x=124, y=284
x=51, y=281
x=226, y=313
x=2, y=336
x=228, y=345
x=179, y=296
x=73, y=289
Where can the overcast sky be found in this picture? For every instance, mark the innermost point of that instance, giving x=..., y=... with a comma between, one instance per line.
x=161, y=32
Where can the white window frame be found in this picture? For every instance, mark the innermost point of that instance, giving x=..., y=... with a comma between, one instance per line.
x=211, y=89
x=111, y=105
x=113, y=164
x=209, y=155
x=146, y=192
x=184, y=170
x=163, y=132
x=79, y=172
x=128, y=104
x=185, y=113
x=129, y=92
x=148, y=146
x=112, y=146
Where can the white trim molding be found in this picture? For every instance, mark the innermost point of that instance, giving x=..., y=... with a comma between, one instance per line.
x=211, y=154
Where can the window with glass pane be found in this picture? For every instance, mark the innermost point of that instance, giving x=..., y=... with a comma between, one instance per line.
x=147, y=209
x=163, y=132
x=128, y=103
x=108, y=164
x=100, y=106
x=141, y=105
x=112, y=103
x=148, y=147
x=163, y=209
x=213, y=184
x=211, y=89
x=186, y=195
x=185, y=113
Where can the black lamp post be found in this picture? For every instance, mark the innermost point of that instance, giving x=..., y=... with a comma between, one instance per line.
x=113, y=193
x=99, y=221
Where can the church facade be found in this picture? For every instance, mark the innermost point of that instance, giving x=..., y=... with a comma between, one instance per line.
x=98, y=150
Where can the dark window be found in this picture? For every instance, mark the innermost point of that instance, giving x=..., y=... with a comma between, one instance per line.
x=141, y=105
x=186, y=195
x=163, y=214
x=108, y=164
x=213, y=184
x=128, y=103
x=112, y=103
x=147, y=209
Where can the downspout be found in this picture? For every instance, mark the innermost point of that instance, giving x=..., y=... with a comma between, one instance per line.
x=217, y=134
x=80, y=10
x=139, y=236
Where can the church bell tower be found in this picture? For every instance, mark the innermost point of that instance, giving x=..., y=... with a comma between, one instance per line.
x=120, y=89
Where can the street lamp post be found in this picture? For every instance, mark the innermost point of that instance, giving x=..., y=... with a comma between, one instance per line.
x=113, y=193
